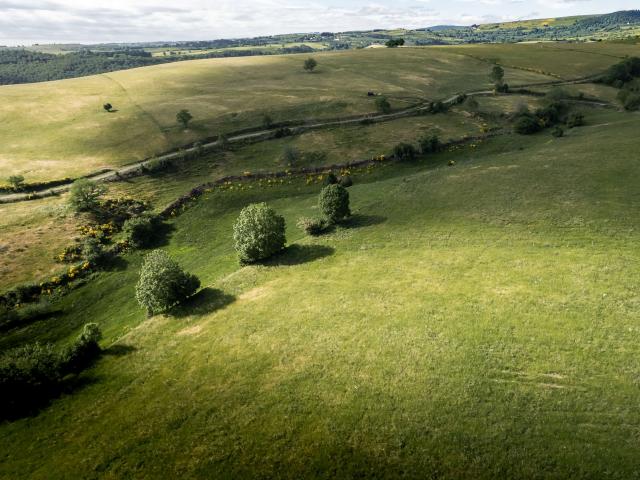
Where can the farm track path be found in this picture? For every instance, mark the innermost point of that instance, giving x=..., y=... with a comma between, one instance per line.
x=267, y=134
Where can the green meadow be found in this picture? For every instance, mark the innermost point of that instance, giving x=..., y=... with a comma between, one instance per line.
x=475, y=318
x=59, y=129
x=474, y=321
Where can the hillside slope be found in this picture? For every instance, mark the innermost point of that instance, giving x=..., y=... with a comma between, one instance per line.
x=475, y=321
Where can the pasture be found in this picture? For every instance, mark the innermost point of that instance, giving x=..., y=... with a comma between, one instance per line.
x=470, y=322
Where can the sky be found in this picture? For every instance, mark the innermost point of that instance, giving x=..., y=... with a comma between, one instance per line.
x=24, y=22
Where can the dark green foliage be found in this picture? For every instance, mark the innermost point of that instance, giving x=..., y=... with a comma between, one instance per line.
x=552, y=113
x=620, y=73
x=576, y=119
x=502, y=88
x=16, y=181
x=28, y=375
x=290, y=156
x=383, y=105
x=497, y=75
x=557, y=132
x=282, y=132
x=330, y=179
x=108, y=107
x=334, y=202
x=93, y=251
x=629, y=95
x=393, y=43
x=83, y=351
x=437, y=107
x=310, y=64
x=346, y=181
x=404, y=152
x=141, y=231
x=312, y=226
x=183, y=117
x=32, y=374
x=430, y=144
x=526, y=124
x=258, y=233
x=85, y=195
x=163, y=283
x=120, y=209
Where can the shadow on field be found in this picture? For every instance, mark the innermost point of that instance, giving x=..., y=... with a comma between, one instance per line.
x=298, y=254
x=119, y=350
x=162, y=235
x=115, y=264
x=358, y=221
x=207, y=300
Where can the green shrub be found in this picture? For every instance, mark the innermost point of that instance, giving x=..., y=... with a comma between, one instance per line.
x=312, y=226
x=83, y=351
x=163, y=283
x=28, y=376
x=526, y=124
x=330, y=179
x=404, y=151
x=576, y=119
x=334, y=202
x=290, y=156
x=141, y=231
x=84, y=195
x=346, y=181
x=383, y=105
x=16, y=181
x=632, y=102
x=557, y=132
x=93, y=251
x=258, y=233
x=430, y=144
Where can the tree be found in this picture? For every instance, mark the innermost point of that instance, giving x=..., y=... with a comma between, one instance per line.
x=334, y=202
x=290, y=155
x=163, y=283
x=404, y=151
x=85, y=195
x=310, y=64
x=258, y=233
x=497, y=75
x=430, y=144
x=108, y=107
x=383, y=105
x=393, y=43
x=184, y=117
x=141, y=230
x=16, y=181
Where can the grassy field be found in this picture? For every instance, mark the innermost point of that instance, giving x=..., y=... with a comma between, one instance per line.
x=57, y=129
x=475, y=321
x=34, y=232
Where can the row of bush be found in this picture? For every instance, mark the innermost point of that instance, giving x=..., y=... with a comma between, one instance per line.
x=555, y=111
x=626, y=77
x=33, y=374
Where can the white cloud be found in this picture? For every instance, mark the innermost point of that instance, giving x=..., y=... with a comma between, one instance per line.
x=28, y=21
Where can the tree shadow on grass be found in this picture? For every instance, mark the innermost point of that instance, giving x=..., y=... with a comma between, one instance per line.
x=162, y=235
x=115, y=264
x=358, y=221
x=119, y=350
x=207, y=300
x=298, y=254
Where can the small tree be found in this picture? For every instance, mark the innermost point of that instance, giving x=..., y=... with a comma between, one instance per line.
x=290, y=155
x=85, y=195
x=259, y=232
x=16, y=181
x=334, y=202
x=404, y=151
x=141, y=230
x=93, y=251
x=310, y=64
x=163, y=283
x=383, y=105
x=497, y=76
x=184, y=117
x=108, y=107
x=393, y=43
x=430, y=144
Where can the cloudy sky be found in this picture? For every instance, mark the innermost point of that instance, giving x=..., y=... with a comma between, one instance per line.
x=92, y=21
